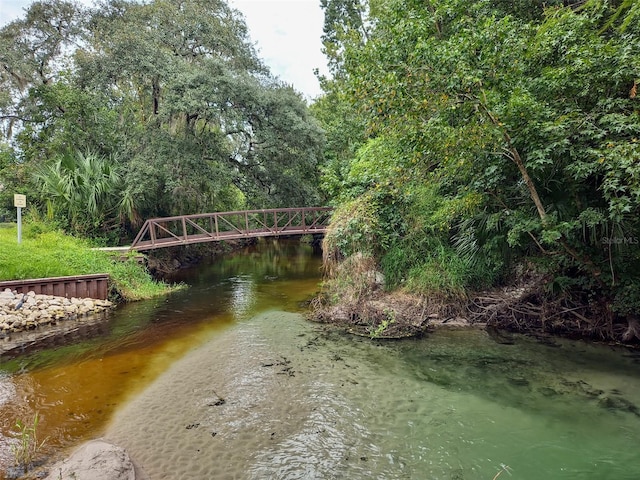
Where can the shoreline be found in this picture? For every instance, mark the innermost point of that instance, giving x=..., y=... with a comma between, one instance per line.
x=27, y=321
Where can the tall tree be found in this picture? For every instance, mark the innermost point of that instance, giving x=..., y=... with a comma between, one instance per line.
x=199, y=96
x=523, y=118
x=175, y=93
x=33, y=52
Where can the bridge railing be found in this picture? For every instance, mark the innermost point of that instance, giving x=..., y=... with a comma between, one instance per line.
x=207, y=227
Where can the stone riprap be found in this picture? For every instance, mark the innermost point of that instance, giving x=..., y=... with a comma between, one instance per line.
x=20, y=312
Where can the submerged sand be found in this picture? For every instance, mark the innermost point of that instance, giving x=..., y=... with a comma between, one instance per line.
x=208, y=415
x=276, y=397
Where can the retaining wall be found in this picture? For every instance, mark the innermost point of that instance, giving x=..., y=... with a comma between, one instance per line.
x=80, y=286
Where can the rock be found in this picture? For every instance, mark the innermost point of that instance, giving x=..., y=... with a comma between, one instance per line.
x=6, y=293
x=43, y=309
x=70, y=309
x=96, y=460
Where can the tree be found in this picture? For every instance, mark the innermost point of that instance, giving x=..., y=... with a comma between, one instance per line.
x=87, y=191
x=209, y=116
x=173, y=93
x=33, y=51
x=523, y=119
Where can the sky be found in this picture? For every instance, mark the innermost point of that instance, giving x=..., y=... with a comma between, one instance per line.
x=286, y=34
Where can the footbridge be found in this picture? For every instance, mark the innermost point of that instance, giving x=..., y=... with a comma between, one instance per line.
x=212, y=227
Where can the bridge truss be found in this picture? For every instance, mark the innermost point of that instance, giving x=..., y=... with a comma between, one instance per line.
x=211, y=227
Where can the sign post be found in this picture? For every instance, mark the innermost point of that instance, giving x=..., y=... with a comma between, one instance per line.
x=19, y=201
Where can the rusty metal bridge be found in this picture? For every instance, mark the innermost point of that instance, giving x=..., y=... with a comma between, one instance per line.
x=211, y=227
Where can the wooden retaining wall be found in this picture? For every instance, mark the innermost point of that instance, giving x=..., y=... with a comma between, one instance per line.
x=81, y=286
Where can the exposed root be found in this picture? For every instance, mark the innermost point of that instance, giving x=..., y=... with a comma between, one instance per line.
x=355, y=299
x=530, y=309
x=632, y=334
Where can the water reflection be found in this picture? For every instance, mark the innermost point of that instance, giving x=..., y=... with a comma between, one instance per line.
x=20, y=344
x=7, y=394
x=7, y=389
x=242, y=296
x=79, y=379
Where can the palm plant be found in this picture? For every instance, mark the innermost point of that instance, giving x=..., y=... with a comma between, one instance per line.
x=86, y=191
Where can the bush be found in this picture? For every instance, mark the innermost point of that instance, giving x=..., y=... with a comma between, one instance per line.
x=354, y=229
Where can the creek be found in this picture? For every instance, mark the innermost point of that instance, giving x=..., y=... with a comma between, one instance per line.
x=225, y=379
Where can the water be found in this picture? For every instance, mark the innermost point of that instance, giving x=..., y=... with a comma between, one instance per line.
x=305, y=401
x=458, y=405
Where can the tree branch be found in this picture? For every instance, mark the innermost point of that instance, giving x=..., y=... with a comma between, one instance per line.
x=514, y=155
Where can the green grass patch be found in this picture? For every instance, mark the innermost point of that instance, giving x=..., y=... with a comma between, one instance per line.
x=46, y=252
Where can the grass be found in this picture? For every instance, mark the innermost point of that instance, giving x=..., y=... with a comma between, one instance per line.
x=45, y=252
x=27, y=447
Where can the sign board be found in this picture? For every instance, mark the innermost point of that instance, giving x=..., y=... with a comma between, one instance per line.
x=19, y=200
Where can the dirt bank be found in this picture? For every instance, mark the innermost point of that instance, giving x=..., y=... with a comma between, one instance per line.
x=525, y=308
x=389, y=315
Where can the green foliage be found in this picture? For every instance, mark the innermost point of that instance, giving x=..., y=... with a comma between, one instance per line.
x=627, y=299
x=26, y=449
x=344, y=132
x=354, y=229
x=443, y=272
x=46, y=252
x=501, y=130
x=384, y=324
x=132, y=281
x=87, y=190
x=423, y=259
x=169, y=95
x=206, y=119
x=7, y=162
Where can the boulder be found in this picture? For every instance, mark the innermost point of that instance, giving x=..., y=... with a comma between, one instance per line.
x=96, y=460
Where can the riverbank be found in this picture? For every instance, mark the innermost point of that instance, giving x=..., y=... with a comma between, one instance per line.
x=388, y=315
x=20, y=312
x=28, y=323
x=46, y=252
x=354, y=297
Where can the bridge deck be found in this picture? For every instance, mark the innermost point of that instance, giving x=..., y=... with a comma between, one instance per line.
x=211, y=227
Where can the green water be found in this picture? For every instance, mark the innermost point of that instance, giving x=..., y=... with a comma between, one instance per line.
x=458, y=404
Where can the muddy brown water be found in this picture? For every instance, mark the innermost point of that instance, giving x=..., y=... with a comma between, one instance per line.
x=303, y=401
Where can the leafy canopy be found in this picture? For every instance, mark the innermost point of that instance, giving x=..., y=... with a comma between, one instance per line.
x=171, y=92
x=502, y=130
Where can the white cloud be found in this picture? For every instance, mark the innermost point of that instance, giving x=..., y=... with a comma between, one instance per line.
x=286, y=33
x=12, y=9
